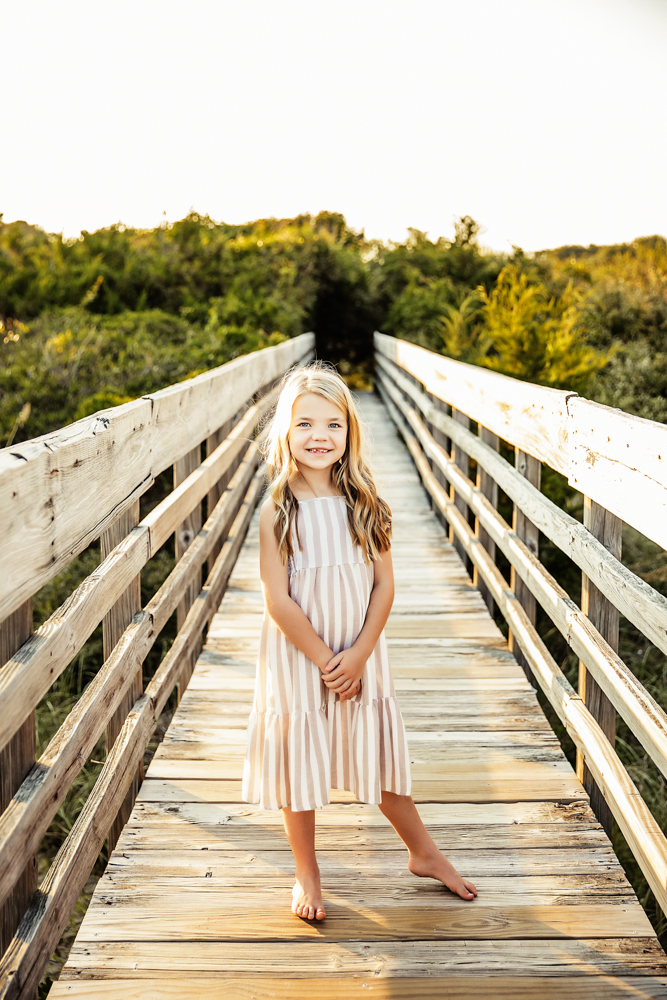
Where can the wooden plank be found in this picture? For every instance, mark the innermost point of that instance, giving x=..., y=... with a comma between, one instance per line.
x=423, y=771
x=414, y=988
x=165, y=832
x=460, y=458
x=371, y=865
x=531, y=469
x=228, y=916
x=615, y=458
x=606, y=527
x=588, y=959
x=16, y=760
x=60, y=491
x=115, y=622
x=531, y=417
x=363, y=816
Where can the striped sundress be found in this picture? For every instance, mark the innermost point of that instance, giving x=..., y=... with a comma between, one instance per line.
x=302, y=740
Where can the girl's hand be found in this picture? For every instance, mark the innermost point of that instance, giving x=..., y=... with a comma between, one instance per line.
x=343, y=673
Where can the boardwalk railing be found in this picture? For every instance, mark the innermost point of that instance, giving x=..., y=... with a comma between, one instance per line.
x=58, y=494
x=619, y=463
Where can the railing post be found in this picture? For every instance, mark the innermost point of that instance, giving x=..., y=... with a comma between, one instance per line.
x=607, y=528
x=531, y=468
x=488, y=487
x=113, y=626
x=460, y=457
x=16, y=759
x=440, y=438
x=185, y=535
x=213, y=442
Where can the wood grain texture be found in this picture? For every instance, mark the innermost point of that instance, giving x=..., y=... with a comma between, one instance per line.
x=488, y=487
x=615, y=458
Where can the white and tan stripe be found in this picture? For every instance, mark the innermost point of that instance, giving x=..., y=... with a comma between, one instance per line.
x=302, y=740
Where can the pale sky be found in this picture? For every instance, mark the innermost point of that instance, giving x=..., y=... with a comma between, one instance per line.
x=546, y=120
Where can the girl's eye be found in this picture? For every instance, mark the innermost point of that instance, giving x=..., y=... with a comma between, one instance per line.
x=304, y=423
x=333, y=424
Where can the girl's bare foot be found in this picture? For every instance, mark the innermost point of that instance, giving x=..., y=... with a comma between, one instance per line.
x=437, y=866
x=307, y=897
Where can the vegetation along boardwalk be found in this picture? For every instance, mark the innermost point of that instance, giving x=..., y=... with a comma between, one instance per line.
x=195, y=899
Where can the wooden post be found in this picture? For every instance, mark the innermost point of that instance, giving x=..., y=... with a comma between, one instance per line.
x=16, y=759
x=531, y=468
x=113, y=626
x=487, y=485
x=440, y=438
x=185, y=534
x=606, y=527
x=212, y=497
x=461, y=459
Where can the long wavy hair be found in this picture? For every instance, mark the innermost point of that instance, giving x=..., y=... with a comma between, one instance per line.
x=368, y=516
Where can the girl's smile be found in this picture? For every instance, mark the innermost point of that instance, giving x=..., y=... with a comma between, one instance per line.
x=318, y=432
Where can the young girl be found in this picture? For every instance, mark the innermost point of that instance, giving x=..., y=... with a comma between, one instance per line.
x=325, y=714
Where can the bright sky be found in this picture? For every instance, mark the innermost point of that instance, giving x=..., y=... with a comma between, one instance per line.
x=546, y=120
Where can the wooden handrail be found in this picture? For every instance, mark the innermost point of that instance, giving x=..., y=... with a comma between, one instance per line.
x=642, y=713
x=59, y=492
x=29, y=674
x=637, y=600
x=644, y=836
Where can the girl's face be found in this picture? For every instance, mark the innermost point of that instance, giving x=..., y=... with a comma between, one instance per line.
x=318, y=432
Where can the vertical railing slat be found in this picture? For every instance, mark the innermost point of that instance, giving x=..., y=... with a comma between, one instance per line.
x=185, y=533
x=487, y=485
x=607, y=528
x=531, y=468
x=461, y=459
x=114, y=624
x=16, y=759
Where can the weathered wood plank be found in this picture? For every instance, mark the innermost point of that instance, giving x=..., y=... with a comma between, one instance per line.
x=615, y=458
x=354, y=918
x=337, y=987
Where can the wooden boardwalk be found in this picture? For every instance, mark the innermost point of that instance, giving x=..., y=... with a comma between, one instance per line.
x=195, y=899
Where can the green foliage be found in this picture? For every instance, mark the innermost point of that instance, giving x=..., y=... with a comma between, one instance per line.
x=536, y=337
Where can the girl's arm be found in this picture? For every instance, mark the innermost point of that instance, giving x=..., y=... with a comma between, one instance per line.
x=286, y=613
x=343, y=672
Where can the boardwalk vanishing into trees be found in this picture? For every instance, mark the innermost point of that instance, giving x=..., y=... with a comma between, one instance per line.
x=195, y=898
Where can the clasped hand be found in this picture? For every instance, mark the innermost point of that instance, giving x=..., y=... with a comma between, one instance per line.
x=342, y=673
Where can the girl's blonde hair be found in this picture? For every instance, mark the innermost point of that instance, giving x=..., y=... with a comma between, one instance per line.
x=369, y=517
